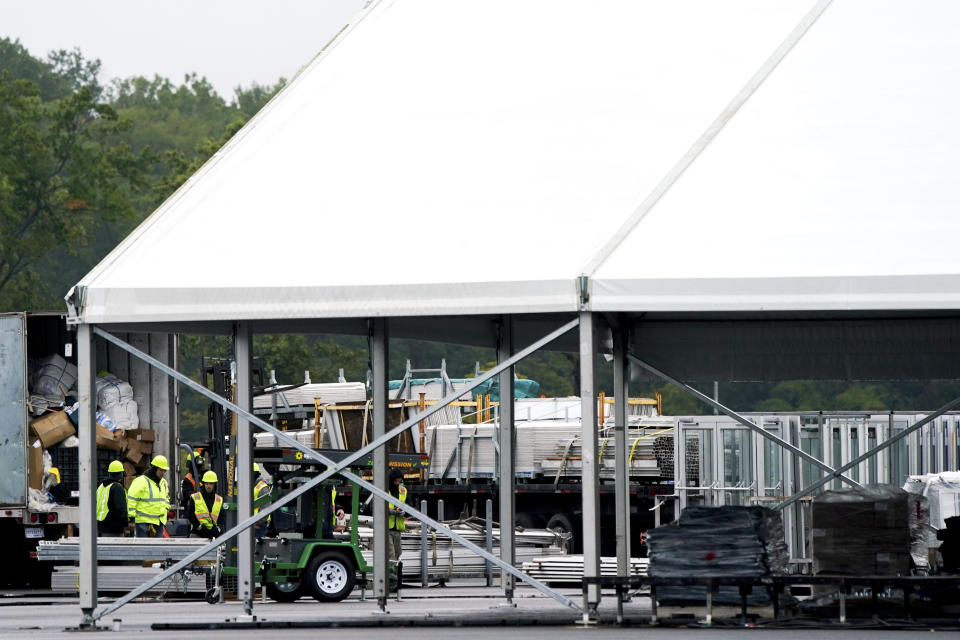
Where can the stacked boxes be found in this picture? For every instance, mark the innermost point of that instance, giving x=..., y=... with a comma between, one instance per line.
x=863, y=531
x=718, y=541
x=133, y=447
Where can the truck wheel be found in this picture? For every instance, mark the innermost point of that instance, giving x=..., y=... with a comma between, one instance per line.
x=330, y=576
x=561, y=522
x=525, y=520
x=284, y=591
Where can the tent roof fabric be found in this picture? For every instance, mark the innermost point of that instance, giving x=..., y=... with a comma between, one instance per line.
x=502, y=144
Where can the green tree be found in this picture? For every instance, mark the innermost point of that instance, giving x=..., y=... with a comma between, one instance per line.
x=866, y=397
x=677, y=402
x=58, y=175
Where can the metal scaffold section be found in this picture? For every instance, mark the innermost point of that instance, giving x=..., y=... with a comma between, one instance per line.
x=734, y=465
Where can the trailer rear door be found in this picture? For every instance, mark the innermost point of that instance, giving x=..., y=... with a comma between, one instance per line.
x=13, y=416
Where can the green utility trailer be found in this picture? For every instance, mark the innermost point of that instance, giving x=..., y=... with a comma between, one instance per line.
x=317, y=561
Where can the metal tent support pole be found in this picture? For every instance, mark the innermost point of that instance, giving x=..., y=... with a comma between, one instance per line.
x=333, y=468
x=424, y=555
x=508, y=456
x=621, y=394
x=590, y=473
x=900, y=436
x=87, y=433
x=742, y=420
x=243, y=346
x=379, y=362
x=488, y=531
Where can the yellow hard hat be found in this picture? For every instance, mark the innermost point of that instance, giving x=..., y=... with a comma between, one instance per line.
x=55, y=472
x=209, y=476
x=160, y=462
x=115, y=467
x=256, y=468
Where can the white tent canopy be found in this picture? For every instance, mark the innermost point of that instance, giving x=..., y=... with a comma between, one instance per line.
x=751, y=189
x=462, y=157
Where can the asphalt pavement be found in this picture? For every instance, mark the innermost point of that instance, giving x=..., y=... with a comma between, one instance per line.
x=453, y=611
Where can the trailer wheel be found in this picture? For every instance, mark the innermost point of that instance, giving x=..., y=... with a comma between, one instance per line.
x=284, y=591
x=525, y=520
x=330, y=576
x=561, y=522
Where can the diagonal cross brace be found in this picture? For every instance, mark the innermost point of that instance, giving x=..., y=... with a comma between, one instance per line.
x=334, y=468
x=872, y=452
x=742, y=420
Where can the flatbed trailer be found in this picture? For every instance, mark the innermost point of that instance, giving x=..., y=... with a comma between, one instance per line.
x=542, y=503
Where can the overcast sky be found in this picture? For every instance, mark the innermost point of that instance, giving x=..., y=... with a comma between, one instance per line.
x=231, y=42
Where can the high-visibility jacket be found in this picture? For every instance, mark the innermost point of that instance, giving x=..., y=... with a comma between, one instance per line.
x=207, y=519
x=103, y=501
x=259, y=490
x=189, y=478
x=398, y=523
x=147, y=501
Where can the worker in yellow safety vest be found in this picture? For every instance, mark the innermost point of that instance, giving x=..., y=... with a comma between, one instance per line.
x=148, y=500
x=261, y=490
x=396, y=521
x=112, y=502
x=188, y=486
x=203, y=512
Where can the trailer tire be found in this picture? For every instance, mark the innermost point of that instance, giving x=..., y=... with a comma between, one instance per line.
x=561, y=522
x=330, y=576
x=525, y=520
x=285, y=591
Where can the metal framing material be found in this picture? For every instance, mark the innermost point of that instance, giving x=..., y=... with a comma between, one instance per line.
x=243, y=346
x=507, y=442
x=379, y=362
x=729, y=412
x=334, y=468
x=866, y=455
x=87, y=388
x=590, y=471
x=622, y=492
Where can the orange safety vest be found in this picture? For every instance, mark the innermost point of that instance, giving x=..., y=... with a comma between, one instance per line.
x=206, y=518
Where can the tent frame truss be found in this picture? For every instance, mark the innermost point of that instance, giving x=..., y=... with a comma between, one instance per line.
x=88, y=591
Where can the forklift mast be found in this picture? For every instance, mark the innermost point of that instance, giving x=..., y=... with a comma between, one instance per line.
x=219, y=375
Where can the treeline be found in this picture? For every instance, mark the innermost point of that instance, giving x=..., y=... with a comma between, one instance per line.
x=83, y=161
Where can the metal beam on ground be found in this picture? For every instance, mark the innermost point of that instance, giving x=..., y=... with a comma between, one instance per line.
x=87, y=434
x=621, y=396
x=590, y=533
x=379, y=361
x=507, y=443
x=243, y=347
x=872, y=452
x=333, y=468
x=742, y=420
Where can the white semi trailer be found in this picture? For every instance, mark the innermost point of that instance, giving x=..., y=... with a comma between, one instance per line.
x=27, y=512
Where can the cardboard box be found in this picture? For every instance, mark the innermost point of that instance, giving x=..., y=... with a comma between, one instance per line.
x=133, y=453
x=108, y=440
x=52, y=428
x=892, y=564
x=35, y=463
x=144, y=435
x=146, y=447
